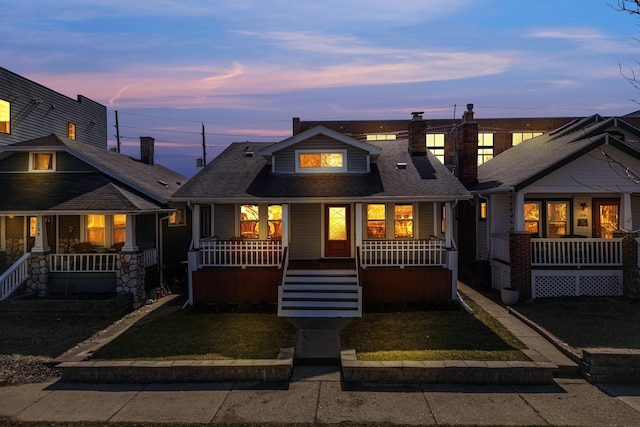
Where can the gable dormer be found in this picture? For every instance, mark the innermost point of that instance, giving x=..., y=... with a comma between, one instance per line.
x=321, y=150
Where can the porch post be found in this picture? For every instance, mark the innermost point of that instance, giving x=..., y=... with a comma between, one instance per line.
x=358, y=225
x=520, y=263
x=626, y=218
x=285, y=225
x=40, y=245
x=448, y=232
x=518, y=212
x=195, y=227
x=130, y=235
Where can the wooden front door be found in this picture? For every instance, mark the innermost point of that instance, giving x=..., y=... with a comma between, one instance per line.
x=606, y=214
x=337, y=231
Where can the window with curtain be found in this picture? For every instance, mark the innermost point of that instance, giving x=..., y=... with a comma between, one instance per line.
x=403, y=221
x=376, y=221
x=96, y=227
x=250, y=221
x=274, y=226
x=119, y=228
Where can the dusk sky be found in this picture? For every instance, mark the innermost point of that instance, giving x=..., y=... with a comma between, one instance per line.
x=245, y=68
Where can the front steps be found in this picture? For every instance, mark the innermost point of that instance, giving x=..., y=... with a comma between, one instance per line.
x=320, y=293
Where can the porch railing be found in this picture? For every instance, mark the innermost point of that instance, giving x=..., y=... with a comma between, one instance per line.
x=93, y=262
x=244, y=253
x=401, y=253
x=150, y=257
x=11, y=279
x=576, y=252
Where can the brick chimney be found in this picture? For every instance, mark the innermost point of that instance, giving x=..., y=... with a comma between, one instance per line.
x=146, y=149
x=466, y=137
x=417, y=135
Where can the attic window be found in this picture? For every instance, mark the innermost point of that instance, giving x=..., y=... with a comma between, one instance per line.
x=42, y=162
x=310, y=161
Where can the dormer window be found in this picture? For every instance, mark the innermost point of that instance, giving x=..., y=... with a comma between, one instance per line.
x=42, y=162
x=310, y=161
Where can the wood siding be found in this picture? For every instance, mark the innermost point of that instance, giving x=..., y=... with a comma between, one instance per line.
x=425, y=221
x=68, y=163
x=501, y=206
x=356, y=157
x=306, y=231
x=236, y=286
x=408, y=285
x=38, y=111
x=224, y=221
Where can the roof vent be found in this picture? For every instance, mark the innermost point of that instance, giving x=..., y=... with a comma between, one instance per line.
x=163, y=183
x=401, y=165
x=248, y=153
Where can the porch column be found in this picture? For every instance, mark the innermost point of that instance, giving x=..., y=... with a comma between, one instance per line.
x=448, y=226
x=518, y=212
x=3, y=233
x=40, y=245
x=358, y=223
x=520, y=262
x=285, y=225
x=626, y=218
x=130, y=235
x=195, y=227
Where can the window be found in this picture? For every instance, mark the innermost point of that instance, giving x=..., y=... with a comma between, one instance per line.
x=485, y=147
x=403, y=221
x=177, y=217
x=274, y=222
x=443, y=218
x=41, y=162
x=547, y=218
x=205, y=221
x=381, y=137
x=435, y=144
x=119, y=228
x=482, y=214
x=33, y=223
x=376, y=221
x=315, y=161
x=96, y=230
x=5, y=116
x=249, y=222
x=71, y=131
x=518, y=137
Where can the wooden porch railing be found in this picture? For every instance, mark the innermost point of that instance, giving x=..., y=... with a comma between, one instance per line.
x=244, y=253
x=92, y=262
x=570, y=252
x=11, y=279
x=401, y=253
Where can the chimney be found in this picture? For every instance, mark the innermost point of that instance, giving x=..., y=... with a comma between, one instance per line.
x=146, y=149
x=417, y=135
x=466, y=137
x=296, y=125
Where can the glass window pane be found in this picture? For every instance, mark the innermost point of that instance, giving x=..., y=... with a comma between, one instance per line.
x=376, y=224
x=557, y=219
x=249, y=221
x=96, y=229
x=331, y=160
x=532, y=217
x=274, y=222
x=5, y=116
x=403, y=227
x=337, y=223
x=42, y=161
x=310, y=160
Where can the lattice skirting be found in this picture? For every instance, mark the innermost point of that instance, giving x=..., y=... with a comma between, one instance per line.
x=500, y=275
x=560, y=283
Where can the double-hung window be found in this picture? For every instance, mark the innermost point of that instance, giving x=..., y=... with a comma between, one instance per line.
x=250, y=221
x=403, y=221
x=485, y=147
x=376, y=221
x=435, y=144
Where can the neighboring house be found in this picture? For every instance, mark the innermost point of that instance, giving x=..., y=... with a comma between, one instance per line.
x=321, y=222
x=549, y=215
x=74, y=216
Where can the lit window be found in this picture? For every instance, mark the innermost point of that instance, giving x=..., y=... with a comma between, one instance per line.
x=483, y=211
x=557, y=214
x=72, y=131
x=547, y=218
x=321, y=161
x=381, y=137
x=177, y=217
x=376, y=224
x=435, y=144
x=518, y=137
x=119, y=228
x=532, y=217
x=485, y=147
x=96, y=230
x=33, y=222
x=403, y=221
x=443, y=218
x=249, y=221
x=5, y=116
x=41, y=161
x=274, y=226
x=337, y=223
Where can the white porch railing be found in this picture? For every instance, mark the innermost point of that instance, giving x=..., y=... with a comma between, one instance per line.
x=11, y=279
x=244, y=253
x=150, y=257
x=401, y=253
x=93, y=262
x=576, y=252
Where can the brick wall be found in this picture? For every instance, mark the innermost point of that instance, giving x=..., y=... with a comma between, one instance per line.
x=520, y=260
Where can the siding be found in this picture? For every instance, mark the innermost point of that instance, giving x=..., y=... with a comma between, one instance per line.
x=425, y=221
x=38, y=111
x=500, y=206
x=306, y=231
x=176, y=242
x=65, y=162
x=224, y=221
x=356, y=158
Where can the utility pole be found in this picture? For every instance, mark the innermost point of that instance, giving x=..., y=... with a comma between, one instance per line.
x=117, y=134
x=204, y=148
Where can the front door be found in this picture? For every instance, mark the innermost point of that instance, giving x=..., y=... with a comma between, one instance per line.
x=605, y=218
x=337, y=231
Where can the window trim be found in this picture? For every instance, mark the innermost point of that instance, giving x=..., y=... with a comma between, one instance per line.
x=543, y=222
x=33, y=154
x=342, y=169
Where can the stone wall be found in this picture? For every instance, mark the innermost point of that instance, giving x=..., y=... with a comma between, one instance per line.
x=601, y=365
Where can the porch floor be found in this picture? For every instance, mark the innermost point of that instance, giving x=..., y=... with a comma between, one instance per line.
x=322, y=264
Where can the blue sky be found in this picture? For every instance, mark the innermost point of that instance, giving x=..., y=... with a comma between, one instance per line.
x=245, y=68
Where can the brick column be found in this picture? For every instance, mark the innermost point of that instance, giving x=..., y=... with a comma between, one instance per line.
x=520, y=260
x=631, y=276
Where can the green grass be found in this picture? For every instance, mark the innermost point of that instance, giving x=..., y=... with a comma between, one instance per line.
x=171, y=333
x=431, y=335
x=590, y=322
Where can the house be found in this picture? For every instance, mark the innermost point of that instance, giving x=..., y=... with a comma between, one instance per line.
x=554, y=215
x=74, y=216
x=322, y=223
